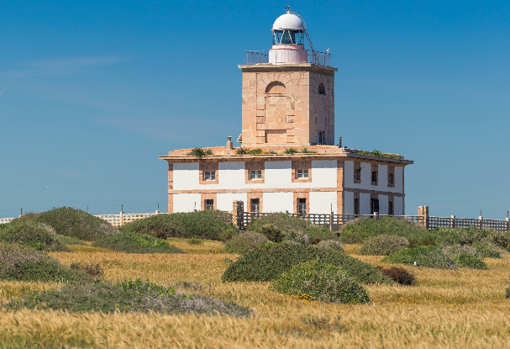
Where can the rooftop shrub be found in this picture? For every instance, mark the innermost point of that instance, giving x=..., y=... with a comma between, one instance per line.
x=130, y=242
x=383, y=245
x=244, y=242
x=267, y=262
x=399, y=275
x=208, y=224
x=359, y=230
x=321, y=282
x=200, y=153
x=331, y=244
x=36, y=235
x=68, y=221
x=23, y=263
x=425, y=256
x=126, y=296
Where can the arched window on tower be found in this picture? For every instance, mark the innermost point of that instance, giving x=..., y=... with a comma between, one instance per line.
x=276, y=87
x=321, y=89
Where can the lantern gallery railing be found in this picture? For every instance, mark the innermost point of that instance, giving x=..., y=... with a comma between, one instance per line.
x=262, y=57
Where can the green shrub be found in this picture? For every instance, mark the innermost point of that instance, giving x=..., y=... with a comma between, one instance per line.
x=383, y=245
x=322, y=282
x=359, y=230
x=470, y=261
x=507, y=293
x=241, y=243
x=331, y=244
x=92, y=269
x=486, y=249
x=129, y=242
x=399, y=275
x=298, y=236
x=499, y=238
x=68, y=221
x=459, y=236
x=195, y=241
x=425, y=256
x=272, y=232
x=23, y=263
x=267, y=262
x=452, y=251
x=208, y=224
x=126, y=296
x=287, y=224
x=36, y=235
x=200, y=153
x=67, y=240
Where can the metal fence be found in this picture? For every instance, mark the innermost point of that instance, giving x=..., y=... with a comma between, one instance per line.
x=481, y=223
x=262, y=57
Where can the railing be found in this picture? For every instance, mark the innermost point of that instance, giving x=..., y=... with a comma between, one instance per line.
x=333, y=221
x=262, y=57
x=481, y=223
x=6, y=220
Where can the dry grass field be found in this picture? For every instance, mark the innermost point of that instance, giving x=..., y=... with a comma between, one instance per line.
x=447, y=309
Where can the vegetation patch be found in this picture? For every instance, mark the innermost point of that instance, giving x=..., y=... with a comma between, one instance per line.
x=383, y=245
x=200, y=153
x=486, y=249
x=93, y=270
x=425, y=256
x=68, y=221
x=322, y=282
x=126, y=296
x=208, y=224
x=67, y=240
x=378, y=154
x=399, y=275
x=36, y=235
x=130, y=242
x=23, y=263
x=278, y=226
x=267, y=262
x=244, y=242
x=331, y=244
x=466, y=260
x=360, y=230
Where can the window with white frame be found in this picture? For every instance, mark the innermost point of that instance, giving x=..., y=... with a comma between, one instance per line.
x=256, y=174
x=209, y=175
x=301, y=173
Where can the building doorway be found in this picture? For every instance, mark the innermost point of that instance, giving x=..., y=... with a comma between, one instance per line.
x=302, y=207
x=374, y=206
x=255, y=205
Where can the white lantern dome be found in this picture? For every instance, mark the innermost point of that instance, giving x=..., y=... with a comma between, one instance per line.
x=288, y=21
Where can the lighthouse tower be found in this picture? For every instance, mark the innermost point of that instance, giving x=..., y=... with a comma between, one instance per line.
x=288, y=91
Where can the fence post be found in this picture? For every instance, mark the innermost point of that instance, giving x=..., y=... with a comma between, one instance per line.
x=423, y=212
x=452, y=222
x=481, y=222
x=238, y=214
x=331, y=221
x=121, y=218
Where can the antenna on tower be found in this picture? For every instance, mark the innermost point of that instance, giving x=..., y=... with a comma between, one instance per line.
x=314, y=53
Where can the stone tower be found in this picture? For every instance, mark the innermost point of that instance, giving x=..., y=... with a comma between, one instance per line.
x=288, y=92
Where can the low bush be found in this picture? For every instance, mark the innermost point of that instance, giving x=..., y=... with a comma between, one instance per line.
x=486, y=249
x=267, y=262
x=67, y=240
x=425, y=256
x=287, y=224
x=360, y=230
x=452, y=251
x=36, y=235
x=23, y=263
x=244, y=242
x=298, y=237
x=321, y=282
x=126, y=296
x=331, y=244
x=208, y=224
x=470, y=261
x=195, y=241
x=383, y=245
x=68, y=221
x=399, y=275
x=93, y=270
x=272, y=232
x=129, y=242
x=507, y=292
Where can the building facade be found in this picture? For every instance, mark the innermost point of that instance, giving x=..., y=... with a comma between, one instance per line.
x=288, y=160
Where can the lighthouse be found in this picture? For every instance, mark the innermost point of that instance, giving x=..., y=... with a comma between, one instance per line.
x=289, y=90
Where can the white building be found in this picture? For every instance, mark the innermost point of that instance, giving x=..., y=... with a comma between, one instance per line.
x=288, y=161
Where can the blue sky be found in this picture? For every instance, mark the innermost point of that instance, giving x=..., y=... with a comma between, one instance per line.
x=92, y=92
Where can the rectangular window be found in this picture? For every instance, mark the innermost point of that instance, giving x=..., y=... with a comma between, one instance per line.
x=256, y=174
x=374, y=206
x=209, y=204
x=255, y=205
x=356, y=205
x=209, y=175
x=320, y=137
x=357, y=174
x=302, y=206
x=391, y=180
x=391, y=210
x=301, y=173
x=374, y=177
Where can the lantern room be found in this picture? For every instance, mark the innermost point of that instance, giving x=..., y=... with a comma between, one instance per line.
x=288, y=40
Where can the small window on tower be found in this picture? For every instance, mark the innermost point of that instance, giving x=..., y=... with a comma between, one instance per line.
x=321, y=90
x=320, y=137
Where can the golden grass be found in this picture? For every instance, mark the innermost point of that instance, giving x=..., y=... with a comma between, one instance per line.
x=447, y=309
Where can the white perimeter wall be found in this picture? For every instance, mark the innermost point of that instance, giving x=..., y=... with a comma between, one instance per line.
x=188, y=202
